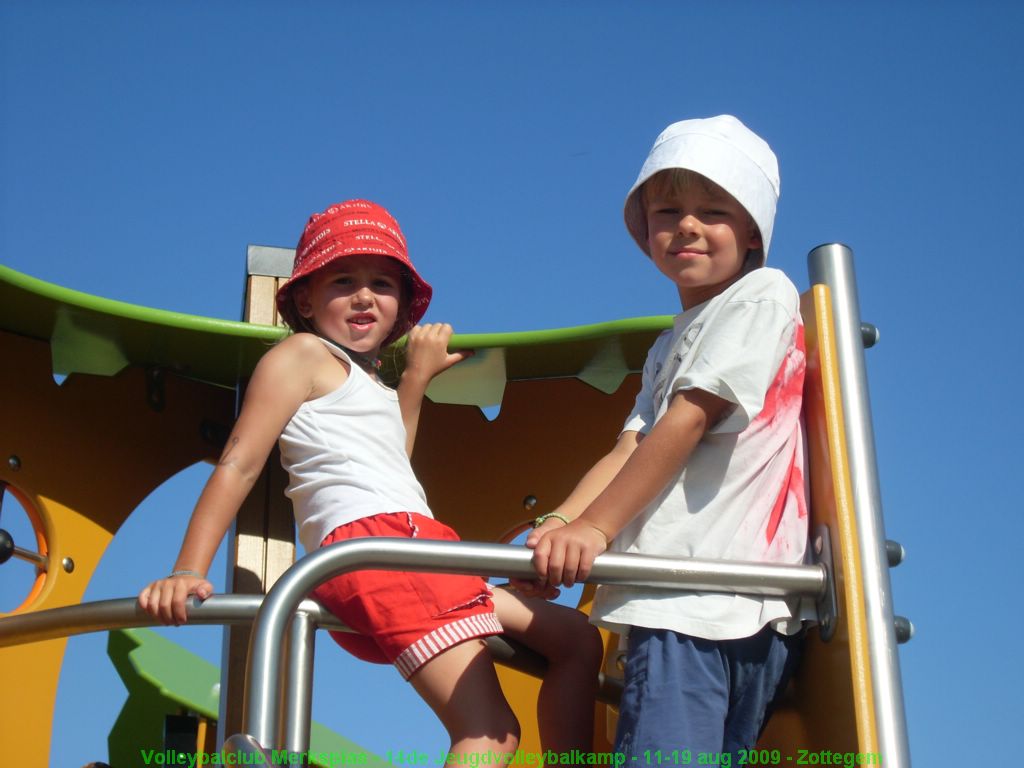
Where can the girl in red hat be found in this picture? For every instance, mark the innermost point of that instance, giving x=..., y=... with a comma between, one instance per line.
x=345, y=440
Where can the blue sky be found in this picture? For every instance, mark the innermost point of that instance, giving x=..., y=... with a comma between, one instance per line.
x=143, y=145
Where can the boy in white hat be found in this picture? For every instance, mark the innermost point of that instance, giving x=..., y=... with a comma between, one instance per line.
x=710, y=463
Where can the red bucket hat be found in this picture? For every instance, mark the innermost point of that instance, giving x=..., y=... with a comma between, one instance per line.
x=346, y=229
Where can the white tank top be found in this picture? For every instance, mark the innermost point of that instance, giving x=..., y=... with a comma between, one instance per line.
x=345, y=457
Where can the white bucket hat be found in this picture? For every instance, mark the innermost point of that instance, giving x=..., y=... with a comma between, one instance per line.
x=724, y=150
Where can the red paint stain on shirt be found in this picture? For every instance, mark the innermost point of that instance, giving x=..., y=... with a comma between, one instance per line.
x=782, y=406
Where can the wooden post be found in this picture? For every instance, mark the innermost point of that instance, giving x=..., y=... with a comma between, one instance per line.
x=262, y=541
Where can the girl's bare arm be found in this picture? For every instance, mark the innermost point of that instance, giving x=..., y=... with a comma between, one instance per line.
x=275, y=392
x=426, y=355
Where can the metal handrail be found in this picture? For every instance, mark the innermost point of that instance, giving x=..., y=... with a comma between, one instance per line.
x=287, y=599
x=124, y=613
x=263, y=674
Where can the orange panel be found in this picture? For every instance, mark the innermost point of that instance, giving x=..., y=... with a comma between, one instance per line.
x=89, y=451
x=829, y=707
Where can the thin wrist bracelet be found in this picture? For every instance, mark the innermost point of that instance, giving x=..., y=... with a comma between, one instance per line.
x=185, y=572
x=543, y=518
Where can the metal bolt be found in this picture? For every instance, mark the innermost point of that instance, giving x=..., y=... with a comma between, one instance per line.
x=529, y=502
x=869, y=335
x=818, y=545
x=14, y=463
x=69, y=564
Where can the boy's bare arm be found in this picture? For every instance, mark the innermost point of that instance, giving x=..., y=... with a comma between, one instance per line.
x=565, y=555
x=426, y=355
x=590, y=486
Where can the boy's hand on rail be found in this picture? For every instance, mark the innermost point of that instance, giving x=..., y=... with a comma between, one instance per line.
x=538, y=587
x=165, y=599
x=566, y=555
x=538, y=533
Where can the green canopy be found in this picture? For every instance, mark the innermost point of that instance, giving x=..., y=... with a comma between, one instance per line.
x=89, y=334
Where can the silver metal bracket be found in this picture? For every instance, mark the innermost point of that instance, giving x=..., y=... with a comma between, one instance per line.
x=828, y=604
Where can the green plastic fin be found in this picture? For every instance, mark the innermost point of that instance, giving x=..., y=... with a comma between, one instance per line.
x=85, y=343
x=163, y=678
x=478, y=380
x=607, y=368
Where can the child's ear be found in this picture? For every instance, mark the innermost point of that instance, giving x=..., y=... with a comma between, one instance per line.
x=756, y=243
x=300, y=296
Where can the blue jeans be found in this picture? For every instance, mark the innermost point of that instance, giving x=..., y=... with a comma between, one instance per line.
x=708, y=697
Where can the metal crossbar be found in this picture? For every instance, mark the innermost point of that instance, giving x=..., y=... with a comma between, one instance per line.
x=124, y=613
x=286, y=611
x=263, y=676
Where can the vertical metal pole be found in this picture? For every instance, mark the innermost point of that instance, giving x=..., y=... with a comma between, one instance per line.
x=832, y=265
x=263, y=673
x=298, y=695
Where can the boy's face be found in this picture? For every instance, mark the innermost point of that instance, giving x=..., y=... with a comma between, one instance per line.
x=698, y=237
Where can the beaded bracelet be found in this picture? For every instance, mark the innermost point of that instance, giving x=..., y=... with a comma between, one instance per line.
x=185, y=572
x=543, y=518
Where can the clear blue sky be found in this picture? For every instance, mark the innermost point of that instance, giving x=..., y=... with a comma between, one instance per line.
x=143, y=145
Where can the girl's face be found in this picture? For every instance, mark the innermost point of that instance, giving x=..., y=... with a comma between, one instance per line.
x=354, y=302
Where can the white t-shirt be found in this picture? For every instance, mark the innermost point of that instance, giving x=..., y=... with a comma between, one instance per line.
x=346, y=459
x=741, y=495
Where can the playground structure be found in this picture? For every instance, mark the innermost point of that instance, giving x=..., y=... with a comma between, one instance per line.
x=154, y=392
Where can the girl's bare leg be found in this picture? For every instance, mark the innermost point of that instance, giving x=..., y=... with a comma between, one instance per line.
x=462, y=688
x=572, y=646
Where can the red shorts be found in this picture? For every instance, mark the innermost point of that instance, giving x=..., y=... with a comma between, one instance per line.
x=405, y=618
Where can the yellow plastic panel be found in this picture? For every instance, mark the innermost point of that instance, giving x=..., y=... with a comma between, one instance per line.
x=88, y=452
x=830, y=706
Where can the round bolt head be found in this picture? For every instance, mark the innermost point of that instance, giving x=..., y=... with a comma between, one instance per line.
x=6, y=546
x=69, y=564
x=14, y=463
